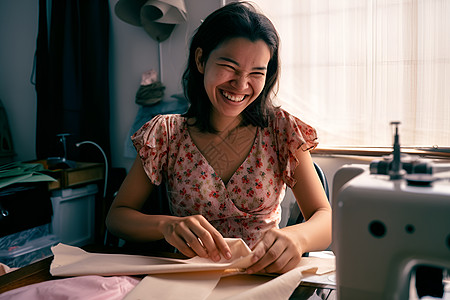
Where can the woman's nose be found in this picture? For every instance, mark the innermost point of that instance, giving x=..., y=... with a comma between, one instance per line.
x=240, y=82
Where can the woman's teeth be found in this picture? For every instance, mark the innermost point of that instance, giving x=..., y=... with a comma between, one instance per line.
x=233, y=98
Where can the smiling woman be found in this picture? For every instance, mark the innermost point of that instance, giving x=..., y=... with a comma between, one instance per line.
x=227, y=161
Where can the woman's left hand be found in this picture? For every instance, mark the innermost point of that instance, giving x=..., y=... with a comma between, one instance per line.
x=277, y=252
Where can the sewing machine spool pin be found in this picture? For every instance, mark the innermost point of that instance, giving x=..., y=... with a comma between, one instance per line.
x=396, y=172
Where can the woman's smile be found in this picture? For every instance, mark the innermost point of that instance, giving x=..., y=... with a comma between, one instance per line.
x=233, y=98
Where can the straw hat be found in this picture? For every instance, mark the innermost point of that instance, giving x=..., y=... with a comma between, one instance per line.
x=157, y=17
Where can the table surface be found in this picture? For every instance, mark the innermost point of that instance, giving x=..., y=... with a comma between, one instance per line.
x=40, y=271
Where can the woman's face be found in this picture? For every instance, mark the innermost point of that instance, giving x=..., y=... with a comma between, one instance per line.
x=234, y=74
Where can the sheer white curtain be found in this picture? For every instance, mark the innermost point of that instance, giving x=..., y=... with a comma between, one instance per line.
x=350, y=67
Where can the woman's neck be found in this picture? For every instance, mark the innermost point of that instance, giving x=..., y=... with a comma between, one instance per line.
x=224, y=125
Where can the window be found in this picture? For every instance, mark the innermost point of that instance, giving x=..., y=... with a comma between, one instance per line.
x=350, y=67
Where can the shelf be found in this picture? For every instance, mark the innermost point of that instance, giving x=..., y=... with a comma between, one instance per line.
x=83, y=173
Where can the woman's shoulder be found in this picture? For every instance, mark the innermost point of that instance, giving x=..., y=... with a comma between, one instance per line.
x=162, y=122
x=283, y=118
x=289, y=135
x=287, y=126
x=167, y=119
x=159, y=128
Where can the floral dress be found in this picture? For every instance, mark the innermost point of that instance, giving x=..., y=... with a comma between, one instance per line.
x=249, y=204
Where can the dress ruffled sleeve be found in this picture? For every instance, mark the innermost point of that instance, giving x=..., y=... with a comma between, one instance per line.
x=292, y=134
x=151, y=142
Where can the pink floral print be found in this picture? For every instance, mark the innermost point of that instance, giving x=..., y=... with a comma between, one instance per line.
x=249, y=204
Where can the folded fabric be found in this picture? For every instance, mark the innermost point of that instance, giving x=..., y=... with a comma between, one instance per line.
x=195, y=278
x=19, y=172
x=73, y=261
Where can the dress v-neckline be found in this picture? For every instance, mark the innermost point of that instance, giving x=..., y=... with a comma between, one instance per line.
x=191, y=140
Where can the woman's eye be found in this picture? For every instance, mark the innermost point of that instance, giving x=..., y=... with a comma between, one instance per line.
x=258, y=74
x=227, y=66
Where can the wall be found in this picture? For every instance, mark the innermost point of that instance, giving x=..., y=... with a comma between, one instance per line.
x=18, y=32
x=132, y=52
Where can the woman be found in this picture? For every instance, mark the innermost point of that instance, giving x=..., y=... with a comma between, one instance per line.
x=227, y=161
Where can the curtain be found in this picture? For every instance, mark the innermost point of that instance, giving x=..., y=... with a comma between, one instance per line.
x=72, y=78
x=350, y=67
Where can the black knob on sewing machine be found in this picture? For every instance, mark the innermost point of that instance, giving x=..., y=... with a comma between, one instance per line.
x=382, y=167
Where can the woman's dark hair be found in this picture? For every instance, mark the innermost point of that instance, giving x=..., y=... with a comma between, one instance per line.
x=238, y=19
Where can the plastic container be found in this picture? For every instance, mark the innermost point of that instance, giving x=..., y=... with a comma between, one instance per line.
x=31, y=251
x=74, y=215
x=21, y=238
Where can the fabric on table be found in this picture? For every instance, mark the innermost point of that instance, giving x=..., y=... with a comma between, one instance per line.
x=195, y=278
x=186, y=286
x=5, y=269
x=220, y=281
x=73, y=261
x=210, y=285
x=83, y=288
x=278, y=288
x=206, y=285
x=249, y=204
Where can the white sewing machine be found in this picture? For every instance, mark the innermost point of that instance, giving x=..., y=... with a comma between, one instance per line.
x=384, y=226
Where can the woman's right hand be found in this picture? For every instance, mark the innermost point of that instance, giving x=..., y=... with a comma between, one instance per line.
x=194, y=235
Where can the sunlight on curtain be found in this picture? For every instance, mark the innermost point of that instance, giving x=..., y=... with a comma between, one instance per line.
x=350, y=67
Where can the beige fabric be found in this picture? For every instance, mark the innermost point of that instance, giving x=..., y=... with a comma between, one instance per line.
x=73, y=261
x=278, y=288
x=186, y=286
x=195, y=278
x=5, y=269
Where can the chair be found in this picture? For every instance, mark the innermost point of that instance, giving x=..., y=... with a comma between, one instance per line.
x=156, y=204
x=295, y=216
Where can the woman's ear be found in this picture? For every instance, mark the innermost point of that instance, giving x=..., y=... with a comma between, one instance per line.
x=199, y=61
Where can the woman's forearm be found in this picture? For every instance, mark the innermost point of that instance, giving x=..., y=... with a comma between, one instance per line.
x=132, y=225
x=314, y=234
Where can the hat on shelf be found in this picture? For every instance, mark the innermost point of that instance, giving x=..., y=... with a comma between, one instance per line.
x=151, y=90
x=157, y=17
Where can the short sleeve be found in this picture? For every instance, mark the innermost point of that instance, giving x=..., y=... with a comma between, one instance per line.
x=292, y=134
x=151, y=142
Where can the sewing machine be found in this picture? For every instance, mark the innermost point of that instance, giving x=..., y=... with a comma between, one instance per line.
x=385, y=225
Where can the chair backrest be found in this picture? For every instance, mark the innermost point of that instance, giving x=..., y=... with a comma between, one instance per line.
x=323, y=179
x=296, y=216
